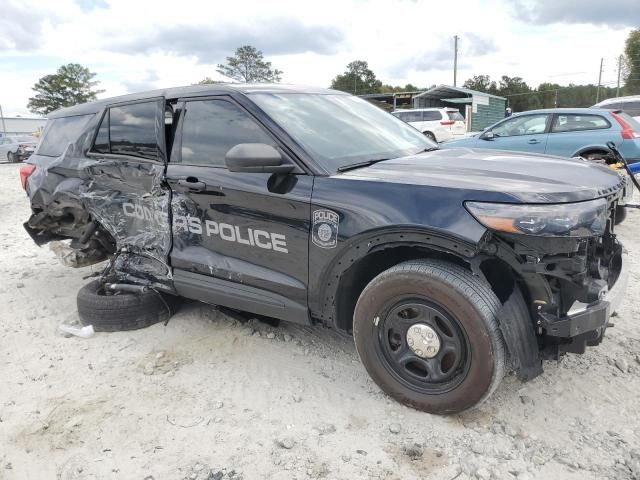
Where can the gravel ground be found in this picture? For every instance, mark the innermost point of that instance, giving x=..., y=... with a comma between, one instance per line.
x=208, y=397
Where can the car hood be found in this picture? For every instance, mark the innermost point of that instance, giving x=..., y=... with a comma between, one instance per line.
x=508, y=176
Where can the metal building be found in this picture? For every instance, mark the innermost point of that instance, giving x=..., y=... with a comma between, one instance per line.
x=479, y=109
x=10, y=126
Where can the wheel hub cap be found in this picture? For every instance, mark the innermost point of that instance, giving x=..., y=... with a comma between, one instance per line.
x=423, y=340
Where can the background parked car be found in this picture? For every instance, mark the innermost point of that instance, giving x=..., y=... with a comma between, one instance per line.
x=17, y=149
x=629, y=105
x=566, y=132
x=439, y=124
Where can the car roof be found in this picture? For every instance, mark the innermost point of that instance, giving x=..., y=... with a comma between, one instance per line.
x=629, y=98
x=192, y=91
x=597, y=111
x=424, y=109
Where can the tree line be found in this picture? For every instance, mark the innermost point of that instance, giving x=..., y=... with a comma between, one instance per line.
x=73, y=83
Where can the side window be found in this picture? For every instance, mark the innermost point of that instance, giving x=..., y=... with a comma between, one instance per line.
x=412, y=116
x=211, y=127
x=632, y=108
x=432, y=116
x=576, y=123
x=132, y=130
x=521, y=125
x=60, y=132
x=101, y=144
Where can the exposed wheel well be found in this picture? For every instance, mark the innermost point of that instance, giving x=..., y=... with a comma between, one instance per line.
x=354, y=279
x=594, y=151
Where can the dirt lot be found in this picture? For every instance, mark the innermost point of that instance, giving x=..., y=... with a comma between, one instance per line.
x=208, y=397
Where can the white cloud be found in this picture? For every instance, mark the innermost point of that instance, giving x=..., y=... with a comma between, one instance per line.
x=146, y=44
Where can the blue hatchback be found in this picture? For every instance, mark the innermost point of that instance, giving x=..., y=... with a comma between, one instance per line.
x=566, y=132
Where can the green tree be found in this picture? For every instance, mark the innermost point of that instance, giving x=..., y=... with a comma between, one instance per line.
x=357, y=79
x=248, y=65
x=517, y=92
x=632, y=63
x=208, y=81
x=70, y=85
x=547, y=93
x=481, y=83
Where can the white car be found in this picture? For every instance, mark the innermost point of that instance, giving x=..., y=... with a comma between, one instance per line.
x=17, y=149
x=629, y=105
x=439, y=124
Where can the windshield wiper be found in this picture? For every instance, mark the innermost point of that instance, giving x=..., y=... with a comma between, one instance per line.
x=366, y=163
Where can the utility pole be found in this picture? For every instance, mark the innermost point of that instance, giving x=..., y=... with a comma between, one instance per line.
x=4, y=127
x=599, y=81
x=455, y=59
x=619, y=70
x=556, y=99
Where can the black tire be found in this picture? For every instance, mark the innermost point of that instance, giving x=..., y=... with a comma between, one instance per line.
x=459, y=307
x=11, y=157
x=621, y=214
x=430, y=136
x=596, y=156
x=122, y=311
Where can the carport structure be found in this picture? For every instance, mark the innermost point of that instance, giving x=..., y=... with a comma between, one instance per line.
x=480, y=109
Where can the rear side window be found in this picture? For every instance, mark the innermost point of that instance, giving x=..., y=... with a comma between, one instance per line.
x=575, y=123
x=132, y=130
x=211, y=127
x=631, y=108
x=432, y=116
x=455, y=116
x=60, y=132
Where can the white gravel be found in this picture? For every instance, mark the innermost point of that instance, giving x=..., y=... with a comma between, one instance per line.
x=207, y=397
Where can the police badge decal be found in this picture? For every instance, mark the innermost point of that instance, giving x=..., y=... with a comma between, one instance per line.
x=324, y=230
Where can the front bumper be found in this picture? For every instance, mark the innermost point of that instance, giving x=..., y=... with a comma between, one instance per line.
x=585, y=324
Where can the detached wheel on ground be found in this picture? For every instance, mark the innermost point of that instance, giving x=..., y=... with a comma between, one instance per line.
x=621, y=214
x=427, y=333
x=112, y=312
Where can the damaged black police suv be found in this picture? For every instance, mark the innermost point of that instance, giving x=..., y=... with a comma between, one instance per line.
x=313, y=206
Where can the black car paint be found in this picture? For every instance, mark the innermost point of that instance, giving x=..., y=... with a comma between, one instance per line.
x=409, y=202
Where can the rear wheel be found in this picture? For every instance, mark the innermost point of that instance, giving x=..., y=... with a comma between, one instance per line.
x=430, y=136
x=427, y=333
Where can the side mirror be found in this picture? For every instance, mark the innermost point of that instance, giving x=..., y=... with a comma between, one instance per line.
x=487, y=136
x=256, y=158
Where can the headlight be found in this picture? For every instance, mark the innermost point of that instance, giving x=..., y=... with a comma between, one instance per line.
x=583, y=219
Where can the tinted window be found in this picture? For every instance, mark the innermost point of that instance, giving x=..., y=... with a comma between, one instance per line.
x=456, y=116
x=432, y=116
x=521, y=125
x=413, y=117
x=60, y=132
x=101, y=145
x=632, y=108
x=133, y=130
x=574, y=123
x=212, y=127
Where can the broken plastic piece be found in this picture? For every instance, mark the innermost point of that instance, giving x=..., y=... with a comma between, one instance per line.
x=84, y=332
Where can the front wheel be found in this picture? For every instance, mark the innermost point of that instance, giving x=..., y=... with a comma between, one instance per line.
x=11, y=157
x=430, y=136
x=427, y=333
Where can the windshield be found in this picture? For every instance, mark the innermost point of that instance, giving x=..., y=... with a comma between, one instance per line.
x=340, y=130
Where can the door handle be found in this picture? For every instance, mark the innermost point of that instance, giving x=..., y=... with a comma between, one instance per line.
x=192, y=184
x=533, y=141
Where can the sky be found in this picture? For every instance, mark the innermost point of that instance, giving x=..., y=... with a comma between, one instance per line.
x=136, y=45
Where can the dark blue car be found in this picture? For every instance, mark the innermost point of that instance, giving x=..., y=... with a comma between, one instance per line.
x=566, y=132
